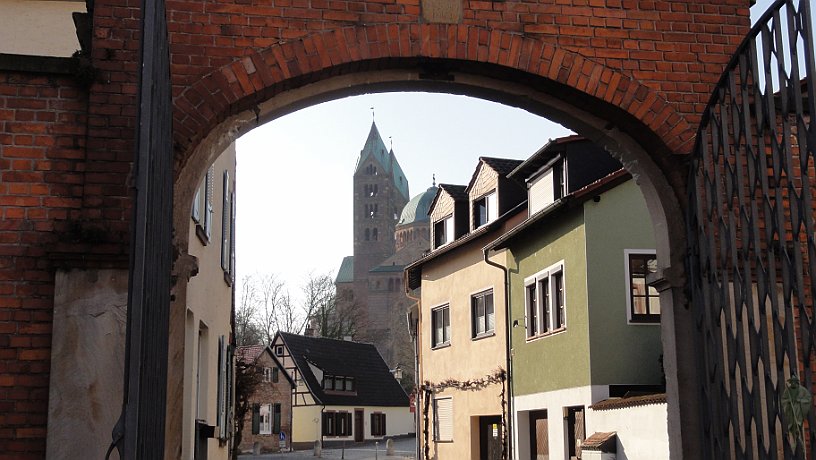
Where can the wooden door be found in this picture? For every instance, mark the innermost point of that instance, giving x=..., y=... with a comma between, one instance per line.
x=359, y=426
x=539, y=436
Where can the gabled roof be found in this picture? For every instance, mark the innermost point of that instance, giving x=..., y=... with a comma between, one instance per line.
x=502, y=166
x=249, y=354
x=346, y=272
x=375, y=148
x=413, y=271
x=373, y=382
x=570, y=200
x=457, y=192
x=541, y=157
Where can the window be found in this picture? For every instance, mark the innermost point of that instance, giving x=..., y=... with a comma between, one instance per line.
x=267, y=374
x=443, y=231
x=202, y=207
x=440, y=317
x=377, y=424
x=226, y=220
x=443, y=419
x=544, y=298
x=335, y=383
x=483, y=314
x=643, y=301
x=266, y=419
x=547, y=188
x=279, y=350
x=485, y=210
x=367, y=234
x=336, y=424
x=374, y=234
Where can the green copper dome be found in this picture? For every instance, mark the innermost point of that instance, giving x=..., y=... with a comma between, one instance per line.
x=417, y=209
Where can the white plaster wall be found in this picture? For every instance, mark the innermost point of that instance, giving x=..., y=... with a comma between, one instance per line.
x=209, y=304
x=553, y=402
x=38, y=28
x=642, y=430
x=398, y=421
x=87, y=362
x=306, y=423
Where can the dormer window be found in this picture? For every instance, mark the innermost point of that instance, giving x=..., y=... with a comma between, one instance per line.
x=548, y=187
x=336, y=383
x=485, y=209
x=443, y=231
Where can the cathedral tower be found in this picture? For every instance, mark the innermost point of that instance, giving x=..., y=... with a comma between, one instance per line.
x=380, y=193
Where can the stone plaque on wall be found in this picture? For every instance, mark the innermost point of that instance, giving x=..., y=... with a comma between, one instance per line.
x=442, y=11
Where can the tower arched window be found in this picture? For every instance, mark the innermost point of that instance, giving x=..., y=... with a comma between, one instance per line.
x=374, y=234
x=367, y=234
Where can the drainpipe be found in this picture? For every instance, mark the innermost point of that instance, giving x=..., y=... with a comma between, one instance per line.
x=413, y=330
x=507, y=349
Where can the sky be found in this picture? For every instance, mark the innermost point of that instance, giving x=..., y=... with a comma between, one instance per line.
x=294, y=177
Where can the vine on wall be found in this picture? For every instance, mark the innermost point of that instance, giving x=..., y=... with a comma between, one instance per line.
x=499, y=376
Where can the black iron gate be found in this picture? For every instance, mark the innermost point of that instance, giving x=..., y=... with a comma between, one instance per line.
x=752, y=257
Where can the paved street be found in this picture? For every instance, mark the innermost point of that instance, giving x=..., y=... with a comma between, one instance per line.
x=404, y=450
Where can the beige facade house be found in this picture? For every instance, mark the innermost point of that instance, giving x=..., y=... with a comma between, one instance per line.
x=461, y=338
x=344, y=392
x=268, y=422
x=208, y=355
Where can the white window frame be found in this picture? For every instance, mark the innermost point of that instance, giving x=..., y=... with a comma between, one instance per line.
x=438, y=432
x=267, y=374
x=627, y=284
x=491, y=203
x=447, y=226
x=545, y=305
x=267, y=413
x=473, y=329
x=444, y=343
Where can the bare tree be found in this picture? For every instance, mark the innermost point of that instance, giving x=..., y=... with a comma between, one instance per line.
x=330, y=317
x=273, y=300
x=247, y=330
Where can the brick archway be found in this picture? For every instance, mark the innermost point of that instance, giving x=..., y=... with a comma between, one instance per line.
x=638, y=125
x=67, y=132
x=250, y=80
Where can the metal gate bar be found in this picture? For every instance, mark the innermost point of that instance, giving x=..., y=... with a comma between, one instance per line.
x=752, y=257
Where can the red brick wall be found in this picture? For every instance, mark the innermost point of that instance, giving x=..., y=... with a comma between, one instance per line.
x=65, y=152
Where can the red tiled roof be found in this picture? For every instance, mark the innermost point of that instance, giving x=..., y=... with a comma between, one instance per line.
x=630, y=401
x=601, y=442
x=249, y=353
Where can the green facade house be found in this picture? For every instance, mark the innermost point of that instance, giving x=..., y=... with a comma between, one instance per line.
x=585, y=326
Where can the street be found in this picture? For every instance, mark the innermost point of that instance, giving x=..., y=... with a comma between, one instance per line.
x=404, y=448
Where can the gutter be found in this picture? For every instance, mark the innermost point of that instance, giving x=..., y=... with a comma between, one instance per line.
x=507, y=349
x=413, y=331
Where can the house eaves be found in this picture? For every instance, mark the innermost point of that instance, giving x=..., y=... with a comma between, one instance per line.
x=413, y=272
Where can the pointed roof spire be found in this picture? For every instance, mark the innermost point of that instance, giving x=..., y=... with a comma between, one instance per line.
x=433, y=184
x=375, y=147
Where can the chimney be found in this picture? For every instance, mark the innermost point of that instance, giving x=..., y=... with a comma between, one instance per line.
x=309, y=332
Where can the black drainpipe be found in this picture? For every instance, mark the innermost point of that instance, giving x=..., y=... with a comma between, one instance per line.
x=507, y=349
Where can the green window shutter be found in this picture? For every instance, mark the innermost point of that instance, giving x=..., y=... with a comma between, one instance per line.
x=275, y=374
x=384, y=432
x=256, y=418
x=276, y=427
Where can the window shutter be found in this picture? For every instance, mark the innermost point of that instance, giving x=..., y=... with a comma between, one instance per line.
x=382, y=427
x=256, y=418
x=449, y=235
x=542, y=192
x=492, y=207
x=277, y=419
x=443, y=426
x=275, y=374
